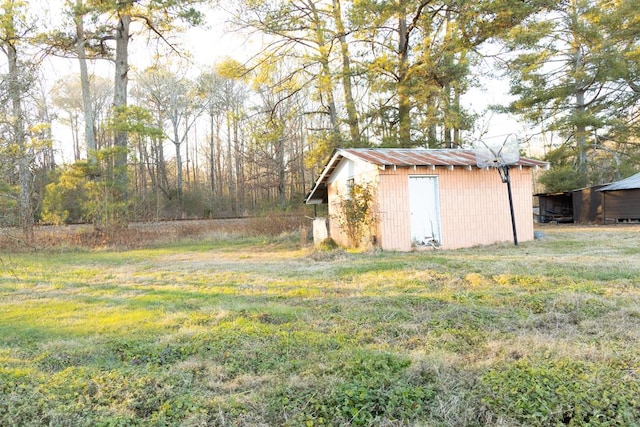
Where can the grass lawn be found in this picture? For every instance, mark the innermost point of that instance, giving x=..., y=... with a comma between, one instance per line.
x=246, y=331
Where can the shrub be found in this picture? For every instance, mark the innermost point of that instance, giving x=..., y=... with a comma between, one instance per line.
x=64, y=200
x=85, y=192
x=328, y=245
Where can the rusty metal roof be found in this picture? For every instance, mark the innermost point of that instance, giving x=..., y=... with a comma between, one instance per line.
x=401, y=157
x=631, y=183
x=405, y=157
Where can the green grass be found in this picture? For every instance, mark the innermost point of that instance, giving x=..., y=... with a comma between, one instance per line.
x=258, y=331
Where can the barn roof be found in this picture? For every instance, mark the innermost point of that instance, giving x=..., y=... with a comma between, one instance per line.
x=631, y=183
x=401, y=157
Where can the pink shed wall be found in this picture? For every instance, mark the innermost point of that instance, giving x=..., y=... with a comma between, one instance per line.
x=474, y=204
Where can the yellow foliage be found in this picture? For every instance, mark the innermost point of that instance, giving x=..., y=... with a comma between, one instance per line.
x=231, y=69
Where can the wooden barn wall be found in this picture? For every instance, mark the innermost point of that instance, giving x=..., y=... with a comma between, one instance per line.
x=474, y=206
x=621, y=205
x=587, y=205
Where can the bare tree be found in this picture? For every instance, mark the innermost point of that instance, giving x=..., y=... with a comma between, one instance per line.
x=210, y=86
x=65, y=97
x=173, y=97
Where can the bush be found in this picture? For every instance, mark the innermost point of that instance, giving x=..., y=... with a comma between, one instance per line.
x=328, y=245
x=86, y=192
x=65, y=198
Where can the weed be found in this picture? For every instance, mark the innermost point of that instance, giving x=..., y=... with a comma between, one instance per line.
x=558, y=391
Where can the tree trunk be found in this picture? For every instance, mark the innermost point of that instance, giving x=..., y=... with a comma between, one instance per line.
x=404, y=102
x=282, y=195
x=580, y=129
x=300, y=156
x=89, y=120
x=195, y=168
x=229, y=160
x=456, y=105
x=239, y=163
x=120, y=98
x=446, y=96
x=581, y=134
x=214, y=151
x=143, y=171
x=187, y=159
x=161, y=165
x=432, y=130
x=149, y=167
x=450, y=93
x=44, y=115
x=75, y=138
x=325, y=80
x=24, y=172
x=352, y=113
x=176, y=139
x=218, y=160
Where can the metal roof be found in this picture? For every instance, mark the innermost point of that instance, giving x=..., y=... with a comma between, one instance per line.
x=631, y=183
x=405, y=157
x=401, y=157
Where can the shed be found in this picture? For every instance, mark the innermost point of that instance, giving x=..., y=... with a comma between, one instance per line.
x=621, y=200
x=583, y=206
x=555, y=207
x=427, y=198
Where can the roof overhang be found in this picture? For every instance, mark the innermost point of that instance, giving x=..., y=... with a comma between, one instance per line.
x=403, y=158
x=630, y=183
x=319, y=193
x=557, y=194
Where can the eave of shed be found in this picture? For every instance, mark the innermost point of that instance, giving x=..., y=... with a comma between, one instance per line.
x=399, y=158
x=407, y=157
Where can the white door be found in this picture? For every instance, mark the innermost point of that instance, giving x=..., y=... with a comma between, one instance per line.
x=424, y=208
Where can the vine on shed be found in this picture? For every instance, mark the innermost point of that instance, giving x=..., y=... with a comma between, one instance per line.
x=356, y=214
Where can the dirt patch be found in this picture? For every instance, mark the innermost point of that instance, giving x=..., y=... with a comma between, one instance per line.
x=589, y=228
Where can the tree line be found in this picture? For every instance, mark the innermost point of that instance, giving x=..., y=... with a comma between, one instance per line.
x=174, y=140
